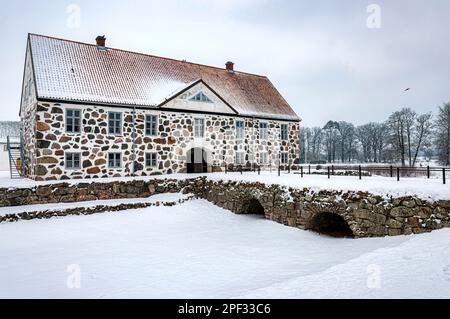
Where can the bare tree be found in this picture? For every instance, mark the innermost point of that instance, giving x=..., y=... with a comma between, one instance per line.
x=422, y=134
x=442, y=125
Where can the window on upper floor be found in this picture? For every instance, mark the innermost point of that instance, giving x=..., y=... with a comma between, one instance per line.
x=284, y=132
x=201, y=97
x=240, y=129
x=263, y=131
x=199, y=127
x=73, y=121
x=151, y=125
x=115, y=123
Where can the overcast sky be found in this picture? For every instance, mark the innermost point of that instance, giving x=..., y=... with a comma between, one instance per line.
x=321, y=55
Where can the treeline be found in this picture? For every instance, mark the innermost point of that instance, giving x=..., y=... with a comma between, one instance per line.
x=402, y=138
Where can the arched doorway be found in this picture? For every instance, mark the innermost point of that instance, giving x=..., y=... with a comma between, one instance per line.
x=330, y=224
x=253, y=207
x=196, y=161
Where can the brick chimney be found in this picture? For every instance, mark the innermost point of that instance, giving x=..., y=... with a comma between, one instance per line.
x=229, y=66
x=101, y=41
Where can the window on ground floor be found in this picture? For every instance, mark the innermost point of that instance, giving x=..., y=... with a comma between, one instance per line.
x=284, y=158
x=151, y=159
x=263, y=158
x=72, y=160
x=114, y=160
x=240, y=158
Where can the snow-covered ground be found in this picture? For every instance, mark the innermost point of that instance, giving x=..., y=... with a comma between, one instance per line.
x=197, y=250
x=432, y=189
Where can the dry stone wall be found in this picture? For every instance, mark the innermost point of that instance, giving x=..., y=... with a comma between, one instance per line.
x=366, y=214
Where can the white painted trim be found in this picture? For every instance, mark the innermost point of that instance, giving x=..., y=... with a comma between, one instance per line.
x=65, y=118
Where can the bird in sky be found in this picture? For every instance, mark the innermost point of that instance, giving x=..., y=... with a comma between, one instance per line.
x=407, y=89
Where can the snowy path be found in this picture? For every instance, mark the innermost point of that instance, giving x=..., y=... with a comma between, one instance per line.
x=197, y=250
x=167, y=197
x=432, y=189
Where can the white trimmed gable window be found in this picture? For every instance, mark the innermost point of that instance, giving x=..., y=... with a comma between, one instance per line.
x=200, y=97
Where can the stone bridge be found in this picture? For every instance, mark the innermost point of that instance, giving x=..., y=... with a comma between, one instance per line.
x=335, y=213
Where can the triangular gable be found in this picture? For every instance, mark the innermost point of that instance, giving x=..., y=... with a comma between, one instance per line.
x=200, y=97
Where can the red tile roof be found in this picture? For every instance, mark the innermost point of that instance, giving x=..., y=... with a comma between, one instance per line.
x=73, y=71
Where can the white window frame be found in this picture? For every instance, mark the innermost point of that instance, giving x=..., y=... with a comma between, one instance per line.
x=287, y=158
x=266, y=130
x=266, y=161
x=240, y=131
x=204, y=98
x=284, y=138
x=237, y=159
x=66, y=117
x=72, y=161
x=150, y=122
x=197, y=130
x=115, y=122
x=156, y=159
x=120, y=160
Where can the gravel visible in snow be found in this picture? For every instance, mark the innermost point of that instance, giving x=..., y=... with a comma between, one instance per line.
x=197, y=250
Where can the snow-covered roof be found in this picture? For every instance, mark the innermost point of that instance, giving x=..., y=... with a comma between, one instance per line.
x=79, y=72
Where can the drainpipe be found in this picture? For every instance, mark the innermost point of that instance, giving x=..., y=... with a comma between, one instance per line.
x=133, y=147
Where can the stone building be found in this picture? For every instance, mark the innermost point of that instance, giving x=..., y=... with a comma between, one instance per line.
x=89, y=111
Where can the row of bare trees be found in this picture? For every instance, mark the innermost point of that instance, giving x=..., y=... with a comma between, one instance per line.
x=403, y=137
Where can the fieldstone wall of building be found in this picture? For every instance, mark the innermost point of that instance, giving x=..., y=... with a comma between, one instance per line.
x=366, y=214
x=174, y=139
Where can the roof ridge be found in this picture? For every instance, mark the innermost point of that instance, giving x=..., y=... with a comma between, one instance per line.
x=146, y=54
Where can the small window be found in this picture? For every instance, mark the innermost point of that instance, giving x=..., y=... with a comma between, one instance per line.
x=263, y=158
x=114, y=160
x=201, y=97
x=73, y=120
x=240, y=158
x=263, y=131
x=151, y=125
x=284, y=132
x=115, y=123
x=199, y=127
x=73, y=160
x=240, y=130
x=284, y=158
x=151, y=159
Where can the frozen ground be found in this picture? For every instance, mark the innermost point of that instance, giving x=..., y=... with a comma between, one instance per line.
x=432, y=189
x=197, y=250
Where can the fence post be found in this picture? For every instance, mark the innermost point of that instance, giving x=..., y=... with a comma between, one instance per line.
x=328, y=172
x=398, y=174
x=428, y=171
x=226, y=168
x=359, y=172
x=443, y=175
x=332, y=169
x=392, y=172
x=289, y=168
x=309, y=169
x=278, y=169
x=240, y=169
x=259, y=170
x=301, y=171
